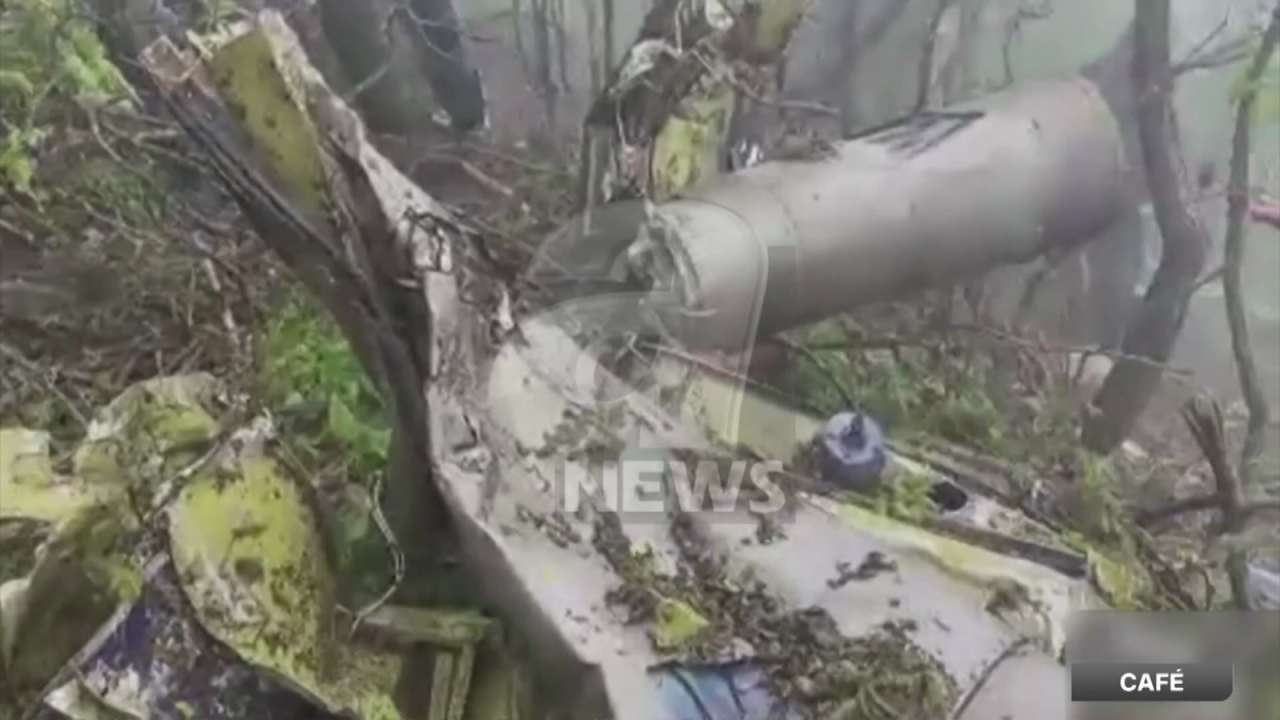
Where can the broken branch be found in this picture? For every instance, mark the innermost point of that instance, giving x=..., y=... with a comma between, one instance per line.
x=1237, y=208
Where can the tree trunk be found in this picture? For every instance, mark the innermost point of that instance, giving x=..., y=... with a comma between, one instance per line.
x=543, y=76
x=890, y=36
x=595, y=61
x=850, y=45
x=957, y=76
x=609, y=37
x=1153, y=333
x=1234, y=253
x=442, y=45
x=388, y=89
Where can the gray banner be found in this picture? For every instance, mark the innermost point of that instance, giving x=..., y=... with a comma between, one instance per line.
x=1133, y=682
x=1247, y=642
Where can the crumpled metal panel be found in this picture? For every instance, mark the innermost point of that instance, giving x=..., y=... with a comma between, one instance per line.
x=154, y=662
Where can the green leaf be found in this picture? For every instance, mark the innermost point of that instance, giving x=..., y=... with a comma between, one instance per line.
x=15, y=81
x=363, y=439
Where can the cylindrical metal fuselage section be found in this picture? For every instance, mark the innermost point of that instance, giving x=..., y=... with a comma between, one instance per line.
x=927, y=204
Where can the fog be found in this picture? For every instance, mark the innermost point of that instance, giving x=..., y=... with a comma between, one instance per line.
x=1003, y=40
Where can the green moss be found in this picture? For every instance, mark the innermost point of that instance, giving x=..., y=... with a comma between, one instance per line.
x=251, y=559
x=687, y=149
x=29, y=489
x=149, y=431
x=249, y=80
x=678, y=625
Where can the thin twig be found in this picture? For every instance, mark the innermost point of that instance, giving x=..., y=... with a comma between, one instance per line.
x=1200, y=503
x=397, y=559
x=1199, y=47
x=733, y=81
x=1204, y=420
x=976, y=688
x=817, y=364
x=485, y=179
x=1227, y=53
x=1001, y=335
x=172, y=486
x=38, y=373
x=1209, y=278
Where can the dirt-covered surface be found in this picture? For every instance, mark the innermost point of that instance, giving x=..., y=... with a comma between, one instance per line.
x=880, y=676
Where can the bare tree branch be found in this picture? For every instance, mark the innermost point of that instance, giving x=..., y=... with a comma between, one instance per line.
x=1237, y=208
x=1200, y=503
x=1218, y=58
x=850, y=47
x=924, y=73
x=856, y=45
x=1200, y=58
x=1013, y=29
x=1206, y=425
x=1204, y=420
x=609, y=31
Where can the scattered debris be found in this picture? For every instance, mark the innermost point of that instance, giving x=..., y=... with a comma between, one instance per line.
x=871, y=566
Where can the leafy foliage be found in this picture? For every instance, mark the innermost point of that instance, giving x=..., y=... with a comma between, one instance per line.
x=1267, y=107
x=48, y=51
x=908, y=498
x=307, y=362
x=342, y=440
x=910, y=390
x=1269, y=94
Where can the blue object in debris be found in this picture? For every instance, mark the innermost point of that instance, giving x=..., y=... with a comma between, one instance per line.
x=726, y=691
x=851, y=453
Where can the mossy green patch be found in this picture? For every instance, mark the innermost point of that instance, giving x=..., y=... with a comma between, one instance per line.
x=150, y=430
x=81, y=576
x=250, y=555
x=678, y=625
x=29, y=489
x=688, y=148
x=260, y=97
